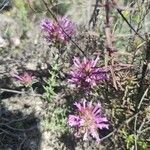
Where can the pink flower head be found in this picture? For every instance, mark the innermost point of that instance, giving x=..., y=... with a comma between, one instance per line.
x=88, y=119
x=58, y=31
x=25, y=78
x=86, y=74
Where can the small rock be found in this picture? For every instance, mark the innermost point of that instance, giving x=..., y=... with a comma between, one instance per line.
x=31, y=66
x=15, y=41
x=3, y=43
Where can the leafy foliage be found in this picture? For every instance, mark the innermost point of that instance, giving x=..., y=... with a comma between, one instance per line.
x=57, y=122
x=51, y=83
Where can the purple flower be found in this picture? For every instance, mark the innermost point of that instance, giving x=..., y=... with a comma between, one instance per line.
x=86, y=74
x=60, y=31
x=88, y=120
x=24, y=78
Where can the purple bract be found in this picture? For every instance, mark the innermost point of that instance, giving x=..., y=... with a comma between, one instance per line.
x=88, y=120
x=60, y=31
x=85, y=74
x=24, y=78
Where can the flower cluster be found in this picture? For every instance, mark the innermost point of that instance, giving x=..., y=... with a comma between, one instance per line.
x=58, y=31
x=86, y=74
x=88, y=120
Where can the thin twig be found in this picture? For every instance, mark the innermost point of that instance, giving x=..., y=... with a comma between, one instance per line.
x=15, y=129
x=11, y=134
x=108, y=33
x=145, y=93
x=94, y=15
x=136, y=117
x=146, y=62
x=15, y=120
x=144, y=130
x=121, y=14
x=135, y=134
x=122, y=124
x=21, y=144
x=141, y=126
x=19, y=92
x=4, y=5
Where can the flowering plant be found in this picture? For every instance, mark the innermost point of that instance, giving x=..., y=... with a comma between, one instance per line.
x=86, y=74
x=58, y=31
x=88, y=119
